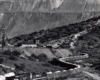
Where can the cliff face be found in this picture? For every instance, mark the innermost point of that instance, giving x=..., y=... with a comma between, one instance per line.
x=23, y=23
x=26, y=16
x=50, y=5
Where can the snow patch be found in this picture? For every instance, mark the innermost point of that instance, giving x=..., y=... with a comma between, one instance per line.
x=93, y=1
x=1, y=16
x=56, y=3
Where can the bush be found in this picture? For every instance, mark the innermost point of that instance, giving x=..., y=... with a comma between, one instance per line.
x=42, y=57
x=20, y=66
x=12, y=58
x=1, y=60
x=16, y=53
x=7, y=52
x=32, y=58
x=47, y=64
x=33, y=55
x=44, y=74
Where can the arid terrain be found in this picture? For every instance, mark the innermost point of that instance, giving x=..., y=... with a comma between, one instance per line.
x=49, y=5
x=50, y=39
x=35, y=15
x=18, y=23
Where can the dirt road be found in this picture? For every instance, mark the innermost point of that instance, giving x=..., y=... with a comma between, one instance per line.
x=96, y=77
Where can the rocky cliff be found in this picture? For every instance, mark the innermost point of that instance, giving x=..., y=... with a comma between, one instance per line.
x=23, y=23
x=26, y=16
x=50, y=5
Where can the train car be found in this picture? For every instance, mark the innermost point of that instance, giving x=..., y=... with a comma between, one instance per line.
x=50, y=75
x=57, y=74
x=64, y=73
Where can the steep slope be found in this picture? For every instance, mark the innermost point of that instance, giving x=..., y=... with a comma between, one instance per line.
x=80, y=5
x=23, y=23
x=38, y=51
x=49, y=5
x=26, y=16
x=63, y=52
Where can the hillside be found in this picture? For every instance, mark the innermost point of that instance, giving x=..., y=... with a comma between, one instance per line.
x=26, y=16
x=49, y=5
x=18, y=23
x=52, y=34
x=90, y=43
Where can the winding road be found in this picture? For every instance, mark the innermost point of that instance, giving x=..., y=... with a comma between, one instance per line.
x=96, y=77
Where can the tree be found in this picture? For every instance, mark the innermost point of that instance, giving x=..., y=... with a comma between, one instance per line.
x=16, y=53
x=33, y=55
x=42, y=57
x=31, y=58
x=7, y=52
x=1, y=60
x=20, y=66
x=12, y=58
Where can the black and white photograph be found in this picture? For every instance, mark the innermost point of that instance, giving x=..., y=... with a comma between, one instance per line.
x=49, y=39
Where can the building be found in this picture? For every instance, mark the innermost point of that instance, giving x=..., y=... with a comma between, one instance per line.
x=7, y=76
x=55, y=45
x=29, y=45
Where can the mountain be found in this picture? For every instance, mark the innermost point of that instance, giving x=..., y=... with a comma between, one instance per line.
x=23, y=23
x=49, y=5
x=26, y=16
x=57, y=35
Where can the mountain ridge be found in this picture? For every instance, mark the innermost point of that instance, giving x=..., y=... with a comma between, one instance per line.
x=49, y=5
x=26, y=16
x=23, y=23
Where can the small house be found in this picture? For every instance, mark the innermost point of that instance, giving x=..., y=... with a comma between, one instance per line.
x=29, y=45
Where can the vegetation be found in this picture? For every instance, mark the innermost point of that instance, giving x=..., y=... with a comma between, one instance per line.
x=20, y=66
x=16, y=53
x=53, y=34
x=12, y=58
x=32, y=58
x=42, y=57
x=1, y=60
x=90, y=43
x=84, y=44
x=7, y=52
x=33, y=55
x=13, y=53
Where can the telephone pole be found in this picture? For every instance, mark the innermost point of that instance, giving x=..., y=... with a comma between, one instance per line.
x=3, y=37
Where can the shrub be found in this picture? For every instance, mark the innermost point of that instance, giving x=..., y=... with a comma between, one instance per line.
x=33, y=55
x=44, y=74
x=20, y=66
x=16, y=53
x=47, y=64
x=1, y=60
x=7, y=52
x=42, y=57
x=31, y=58
x=12, y=58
